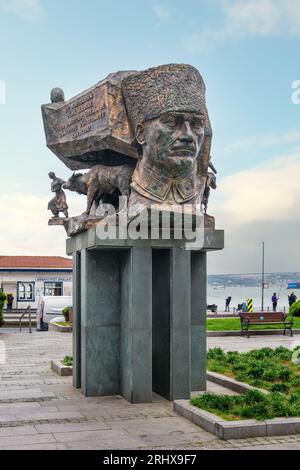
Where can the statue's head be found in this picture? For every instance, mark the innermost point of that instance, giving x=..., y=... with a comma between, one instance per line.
x=51, y=175
x=166, y=106
x=57, y=95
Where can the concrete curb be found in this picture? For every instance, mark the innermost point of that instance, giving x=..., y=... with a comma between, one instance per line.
x=60, y=328
x=252, y=333
x=231, y=384
x=226, y=430
x=60, y=369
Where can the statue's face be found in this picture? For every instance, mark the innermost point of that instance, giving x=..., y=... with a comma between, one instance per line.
x=172, y=141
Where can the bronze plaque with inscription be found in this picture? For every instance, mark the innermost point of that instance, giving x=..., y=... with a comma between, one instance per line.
x=92, y=127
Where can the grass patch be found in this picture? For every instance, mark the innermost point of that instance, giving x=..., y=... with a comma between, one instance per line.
x=63, y=323
x=234, y=324
x=271, y=369
x=275, y=370
x=251, y=405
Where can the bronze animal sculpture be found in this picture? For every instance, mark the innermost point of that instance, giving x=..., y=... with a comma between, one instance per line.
x=101, y=180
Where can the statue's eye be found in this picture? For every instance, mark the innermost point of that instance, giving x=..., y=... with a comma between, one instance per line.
x=197, y=123
x=169, y=121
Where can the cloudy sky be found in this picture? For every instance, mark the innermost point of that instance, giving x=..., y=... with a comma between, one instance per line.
x=248, y=53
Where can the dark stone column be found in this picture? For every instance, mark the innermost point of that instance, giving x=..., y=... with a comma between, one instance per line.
x=198, y=320
x=161, y=349
x=180, y=324
x=100, y=323
x=171, y=323
x=136, y=325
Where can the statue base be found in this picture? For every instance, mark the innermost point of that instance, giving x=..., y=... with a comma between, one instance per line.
x=57, y=221
x=139, y=315
x=75, y=225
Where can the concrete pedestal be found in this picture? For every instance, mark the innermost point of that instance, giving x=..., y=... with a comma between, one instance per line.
x=139, y=316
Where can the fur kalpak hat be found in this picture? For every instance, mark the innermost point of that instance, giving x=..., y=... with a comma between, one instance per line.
x=153, y=92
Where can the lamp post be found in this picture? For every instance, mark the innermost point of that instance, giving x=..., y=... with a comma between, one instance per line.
x=263, y=277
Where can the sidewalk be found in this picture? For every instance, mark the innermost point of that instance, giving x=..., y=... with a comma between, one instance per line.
x=237, y=343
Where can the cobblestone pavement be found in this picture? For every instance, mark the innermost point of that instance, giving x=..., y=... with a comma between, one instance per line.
x=40, y=410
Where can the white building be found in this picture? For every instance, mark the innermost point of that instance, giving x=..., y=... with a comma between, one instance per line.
x=28, y=277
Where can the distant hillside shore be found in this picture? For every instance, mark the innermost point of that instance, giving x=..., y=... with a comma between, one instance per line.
x=253, y=280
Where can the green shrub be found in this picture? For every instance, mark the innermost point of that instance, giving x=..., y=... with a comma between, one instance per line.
x=67, y=361
x=257, y=411
x=295, y=309
x=66, y=312
x=281, y=406
x=281, y=388
x=270, y=374
x=255, y=396
x=232, y=357
x=261, y=353
x=284, y=373
x=283, y=353
x=216, y=353
x=2, y=302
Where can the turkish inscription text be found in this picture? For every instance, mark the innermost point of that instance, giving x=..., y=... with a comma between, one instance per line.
x=78, y=118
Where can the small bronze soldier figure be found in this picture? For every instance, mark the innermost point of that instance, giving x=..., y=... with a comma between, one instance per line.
x=58, y=203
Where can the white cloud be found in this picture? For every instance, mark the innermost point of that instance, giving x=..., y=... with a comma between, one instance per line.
x=254, y=17
x=24, y=225
x=249, y=19
x=267, y=140
x=265, y=193
x=259, y=204
x=27, y=9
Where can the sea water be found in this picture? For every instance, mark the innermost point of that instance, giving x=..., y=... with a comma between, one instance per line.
x=218, y=294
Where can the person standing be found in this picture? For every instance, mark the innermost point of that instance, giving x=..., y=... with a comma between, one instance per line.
x=274, y=301
x=292, y=299
x=227, y=304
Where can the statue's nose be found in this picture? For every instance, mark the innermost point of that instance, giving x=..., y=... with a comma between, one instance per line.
x=186, y=138
x=186, y=133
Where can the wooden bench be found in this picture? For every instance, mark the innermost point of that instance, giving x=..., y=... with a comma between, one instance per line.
x=265, y=318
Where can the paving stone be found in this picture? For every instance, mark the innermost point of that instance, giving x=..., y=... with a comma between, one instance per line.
x=106, y=439
x=24, y=394
x=50, y=415
x=71, y=427
x=16, y=440
x=17, y=431
x=55, y=446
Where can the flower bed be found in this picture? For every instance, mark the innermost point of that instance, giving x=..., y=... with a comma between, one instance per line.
x=251, y=405
x=277, y=371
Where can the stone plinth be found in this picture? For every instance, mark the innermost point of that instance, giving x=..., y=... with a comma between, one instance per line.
x=139, y=316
